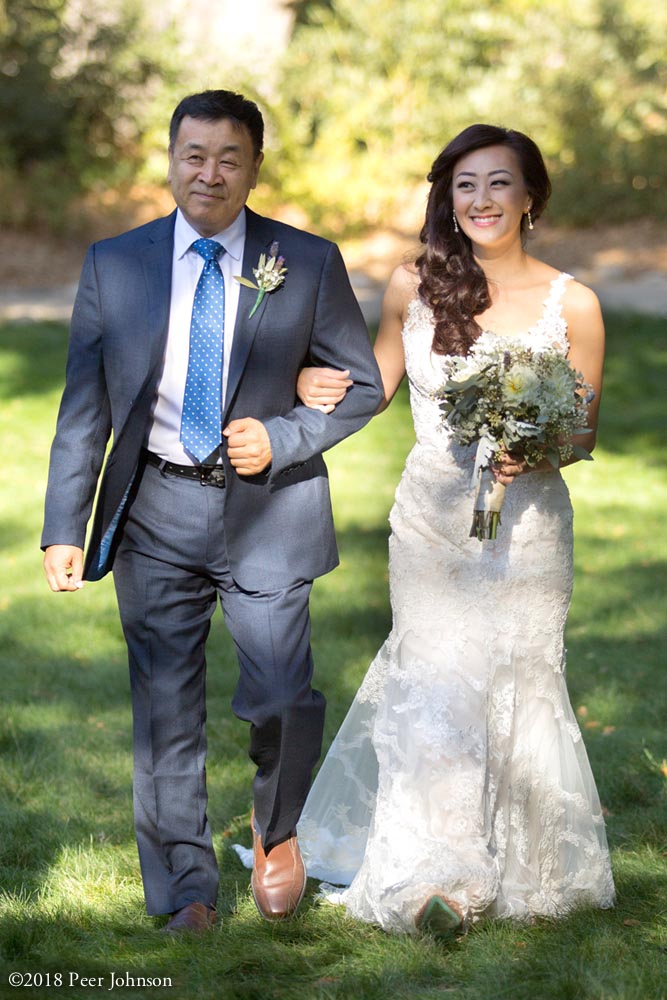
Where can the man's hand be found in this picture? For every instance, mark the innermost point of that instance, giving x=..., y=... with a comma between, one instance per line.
x=63, y=565
x=322, y=388
x=248, y=446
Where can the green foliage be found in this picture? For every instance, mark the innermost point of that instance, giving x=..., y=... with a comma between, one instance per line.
x=366, y=95
x=370, y=92
x=303, y=9
x=70, y=890
x=77, y=84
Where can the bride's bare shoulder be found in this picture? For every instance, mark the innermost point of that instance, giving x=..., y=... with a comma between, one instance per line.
x=403, y=284
x=581, y=297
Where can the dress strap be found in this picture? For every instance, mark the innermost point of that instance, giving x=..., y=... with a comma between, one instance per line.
x=553, y=304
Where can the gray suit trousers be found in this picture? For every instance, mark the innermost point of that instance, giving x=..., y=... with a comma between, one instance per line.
x=170, y=568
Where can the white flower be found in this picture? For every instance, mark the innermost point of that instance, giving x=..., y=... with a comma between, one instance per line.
x=520, y=385
x=270, y=274
x=556, y=390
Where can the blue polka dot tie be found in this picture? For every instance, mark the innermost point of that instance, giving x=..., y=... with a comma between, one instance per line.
x=201, y=421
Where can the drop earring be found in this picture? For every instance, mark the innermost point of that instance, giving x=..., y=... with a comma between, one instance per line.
x=530, y=221
x=456, y=225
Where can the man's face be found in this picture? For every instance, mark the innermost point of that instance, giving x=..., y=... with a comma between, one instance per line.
x=212, y=169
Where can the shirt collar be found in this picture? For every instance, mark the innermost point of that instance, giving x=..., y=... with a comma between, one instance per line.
x=232, y=238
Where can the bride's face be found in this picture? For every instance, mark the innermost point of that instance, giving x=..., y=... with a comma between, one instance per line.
x=490, y=196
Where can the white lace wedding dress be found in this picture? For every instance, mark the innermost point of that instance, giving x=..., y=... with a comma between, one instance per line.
x=460, y=768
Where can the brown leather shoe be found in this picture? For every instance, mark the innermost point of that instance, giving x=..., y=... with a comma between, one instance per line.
x=278, y=878
x=195, y=917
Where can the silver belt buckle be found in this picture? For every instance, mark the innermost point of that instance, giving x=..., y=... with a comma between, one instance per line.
x=215, y=477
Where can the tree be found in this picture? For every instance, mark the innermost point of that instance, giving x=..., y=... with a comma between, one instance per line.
x=77, y=81
x=370, y=92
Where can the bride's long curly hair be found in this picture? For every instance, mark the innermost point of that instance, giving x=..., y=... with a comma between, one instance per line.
x=451, y=281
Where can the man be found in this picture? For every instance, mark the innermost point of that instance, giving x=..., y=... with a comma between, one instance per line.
x=214, y=486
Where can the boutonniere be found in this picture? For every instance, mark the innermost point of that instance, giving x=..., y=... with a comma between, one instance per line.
x=269, y=273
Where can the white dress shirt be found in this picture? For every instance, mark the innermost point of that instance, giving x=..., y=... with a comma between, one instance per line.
x=187, y=265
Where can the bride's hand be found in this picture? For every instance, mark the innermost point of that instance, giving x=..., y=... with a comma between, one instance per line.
x=509, y=465
x=322, y=388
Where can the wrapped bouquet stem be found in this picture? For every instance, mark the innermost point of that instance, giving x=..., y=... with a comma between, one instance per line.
x=487, y=506
x=509, y=398
x=490, y=492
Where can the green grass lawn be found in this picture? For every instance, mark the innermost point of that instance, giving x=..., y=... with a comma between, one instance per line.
x=71, y=902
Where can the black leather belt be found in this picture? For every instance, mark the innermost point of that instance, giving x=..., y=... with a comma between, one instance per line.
x=207, y=475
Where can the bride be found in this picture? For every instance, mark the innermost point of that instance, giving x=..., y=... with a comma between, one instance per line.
x=458, y=785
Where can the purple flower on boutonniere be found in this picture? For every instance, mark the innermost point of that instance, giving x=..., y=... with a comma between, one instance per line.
x=270, y=274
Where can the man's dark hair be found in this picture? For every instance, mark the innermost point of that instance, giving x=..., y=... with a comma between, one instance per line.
x=212, y=106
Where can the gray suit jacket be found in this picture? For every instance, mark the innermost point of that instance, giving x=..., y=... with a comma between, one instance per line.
x=278, y=526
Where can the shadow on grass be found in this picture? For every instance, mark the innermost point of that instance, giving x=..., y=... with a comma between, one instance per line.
x=14, y=532
x=60, y=788
x=55, y=949
x=322, y=953
x=32, y=358
x=601, y=948
x=636, y=381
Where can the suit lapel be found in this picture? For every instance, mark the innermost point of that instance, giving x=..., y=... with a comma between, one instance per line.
x=257, y=241
x=157, y=260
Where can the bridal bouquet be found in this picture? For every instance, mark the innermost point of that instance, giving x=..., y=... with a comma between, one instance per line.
x=510, y=398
